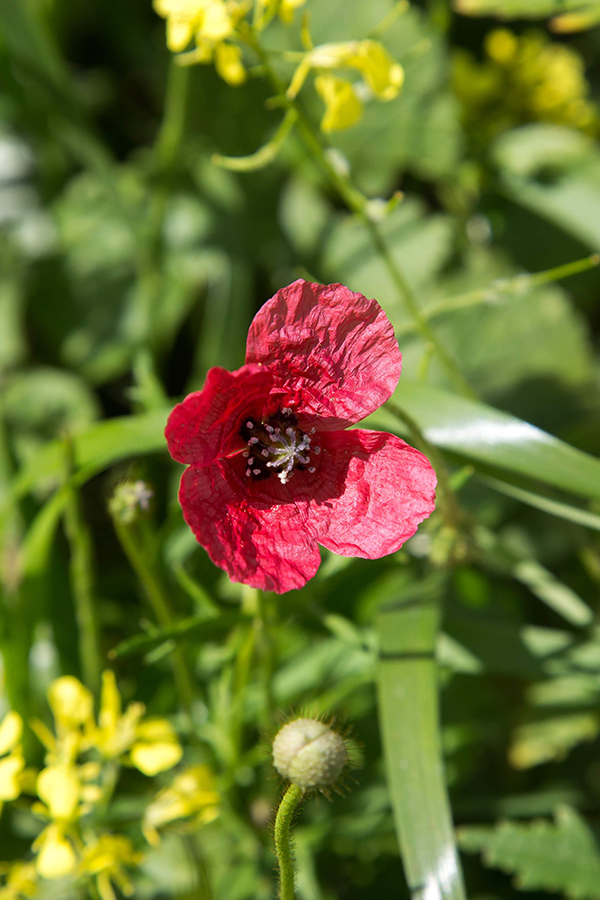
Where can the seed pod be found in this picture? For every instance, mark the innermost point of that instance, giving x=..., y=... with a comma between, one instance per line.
x=308, y=753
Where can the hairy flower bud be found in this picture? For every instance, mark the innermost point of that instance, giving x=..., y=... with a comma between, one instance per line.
x=308, y=753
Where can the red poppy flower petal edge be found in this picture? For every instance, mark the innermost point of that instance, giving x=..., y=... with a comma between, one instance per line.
x=389, y=489
x=334, y=349
x=205, y=425
x=265, y=547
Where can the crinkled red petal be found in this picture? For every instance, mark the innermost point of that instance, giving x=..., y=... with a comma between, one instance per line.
x=206, y=425
x=335, y=351
x=388, y=489
x=255, y=540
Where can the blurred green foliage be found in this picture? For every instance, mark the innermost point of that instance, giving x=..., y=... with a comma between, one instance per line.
x=130, y=263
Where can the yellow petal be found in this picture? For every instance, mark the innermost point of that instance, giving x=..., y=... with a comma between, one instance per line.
x=110, y=700
x=56, y=857
x=287, y=9
x=70, y=701
x=228, y=63
x=179, y=34
x=383, y=74
x=58, y=786
x=154, y=758
x=501, y=45
x=343, y=108
x=10, y=782
x=11, y=731
x=155, y=730
x=216, y=22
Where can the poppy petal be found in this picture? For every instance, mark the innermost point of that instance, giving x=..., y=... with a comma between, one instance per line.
x=206, y=424
x=259, y=543
x=335, y=351
x=389, y=488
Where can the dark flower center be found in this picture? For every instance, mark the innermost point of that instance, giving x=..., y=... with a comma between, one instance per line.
x=277, y=445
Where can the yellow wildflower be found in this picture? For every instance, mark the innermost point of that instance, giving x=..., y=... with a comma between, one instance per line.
x=21, y=880
x=342, y=106
x=287, y=9
x=12, y=762
x=56, y=855
x=523, y=79
x=209, y=23
x=152, y=744
x=381, y=74
x=228, y=63
x=105, y=858
x=71, y=703
x=192, y=793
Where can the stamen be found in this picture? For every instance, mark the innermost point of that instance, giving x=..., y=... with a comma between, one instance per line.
x=256, y=471
x=253, y=440
x=316, y=450
x=265, y=452
x=312, y=470
x=251, y=461
x=246, y=453
x=250, y=425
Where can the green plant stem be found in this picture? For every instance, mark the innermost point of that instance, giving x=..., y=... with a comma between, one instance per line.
x=82, y=586
x=358, y=204
x=139, y=558
x=447, y=500
x=283, y=842
x=172, y=129
x=266, y=650
x=507, y=286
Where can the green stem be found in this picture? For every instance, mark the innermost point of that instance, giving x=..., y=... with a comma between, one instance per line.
x=447, y=499
x=138, y=555
x=172, y=129
x=358, y=204
x=283, y=842
x=82, y=585
x=517, y=285
x=266, y=653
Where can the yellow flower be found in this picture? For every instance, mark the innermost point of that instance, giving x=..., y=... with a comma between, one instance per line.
x=228, y=63
x=342, y=106
x=156, y=747
x=209, y=23
x=153, y=744
x=12, y=762
x=21, y=881
x=192, y=793
x=524, y=78
x=105, y=859
x=116, y=730
x=287, y=9
x=71, y=703
x=60, y=789
x=56, y=856
x=381, y=74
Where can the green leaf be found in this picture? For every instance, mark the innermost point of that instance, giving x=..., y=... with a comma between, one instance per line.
x=514, y=9
x=551, y=738
x=409, y=723
x=488, y=437
x=97, y=448
x=561, y=856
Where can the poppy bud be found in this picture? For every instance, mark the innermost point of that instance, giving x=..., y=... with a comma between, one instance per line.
x=129, y=500
x=309, y=754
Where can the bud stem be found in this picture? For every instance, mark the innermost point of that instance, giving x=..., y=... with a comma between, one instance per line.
x=283, y=844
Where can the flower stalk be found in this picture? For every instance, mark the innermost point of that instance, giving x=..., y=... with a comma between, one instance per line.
x=357, y=203
x=283, y=840
x=137, y=552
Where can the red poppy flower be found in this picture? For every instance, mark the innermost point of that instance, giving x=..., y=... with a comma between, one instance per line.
x=271, y=472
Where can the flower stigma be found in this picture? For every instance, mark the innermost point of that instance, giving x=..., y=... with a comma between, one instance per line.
x=277, y=444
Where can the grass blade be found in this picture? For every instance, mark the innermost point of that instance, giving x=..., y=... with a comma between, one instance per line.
x=409, y=723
